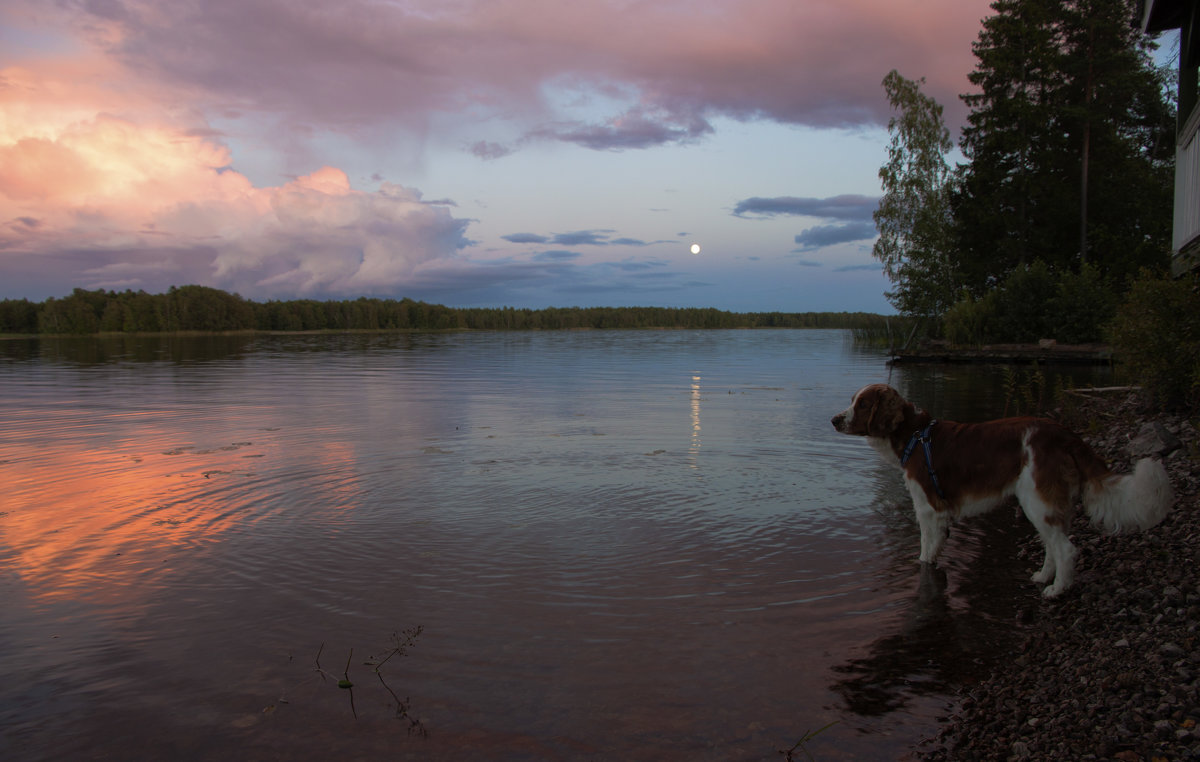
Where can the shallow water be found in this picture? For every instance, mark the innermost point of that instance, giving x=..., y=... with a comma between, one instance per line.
x=618, y=545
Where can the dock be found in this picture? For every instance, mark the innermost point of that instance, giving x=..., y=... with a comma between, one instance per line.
x=1043, y=353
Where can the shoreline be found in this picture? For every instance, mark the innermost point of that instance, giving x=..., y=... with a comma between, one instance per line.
x=1110, y=669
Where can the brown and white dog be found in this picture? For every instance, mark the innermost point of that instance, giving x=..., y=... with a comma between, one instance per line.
x=954, y=470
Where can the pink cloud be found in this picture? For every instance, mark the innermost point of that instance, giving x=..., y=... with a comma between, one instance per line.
x=351, y=65
x=148, y=203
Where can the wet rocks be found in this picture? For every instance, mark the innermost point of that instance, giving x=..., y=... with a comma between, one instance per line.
x=1110, y=670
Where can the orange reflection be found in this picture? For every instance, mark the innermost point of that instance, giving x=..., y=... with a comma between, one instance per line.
x=81, y=522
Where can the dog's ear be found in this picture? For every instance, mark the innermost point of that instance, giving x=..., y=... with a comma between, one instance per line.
x=886, y=414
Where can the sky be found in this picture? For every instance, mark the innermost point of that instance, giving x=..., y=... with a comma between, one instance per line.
x=472, y=153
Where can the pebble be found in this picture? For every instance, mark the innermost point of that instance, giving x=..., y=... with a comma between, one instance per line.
x=1108, y=669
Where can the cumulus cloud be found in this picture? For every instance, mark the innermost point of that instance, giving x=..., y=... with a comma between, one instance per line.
x=148, y=204
x=828, y=235
x=844, y=207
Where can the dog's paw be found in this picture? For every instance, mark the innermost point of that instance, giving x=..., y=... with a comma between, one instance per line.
x=1053, y=591
x=1042, y=577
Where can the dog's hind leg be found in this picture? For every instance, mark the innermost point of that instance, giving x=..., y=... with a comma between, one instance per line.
x=1060, y=553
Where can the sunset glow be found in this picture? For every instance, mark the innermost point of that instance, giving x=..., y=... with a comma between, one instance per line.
x=84, y=510
x=531, y=155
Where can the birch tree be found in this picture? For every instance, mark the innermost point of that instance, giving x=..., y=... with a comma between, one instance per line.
x=913, y=218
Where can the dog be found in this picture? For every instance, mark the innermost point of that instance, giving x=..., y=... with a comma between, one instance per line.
x=955, y=470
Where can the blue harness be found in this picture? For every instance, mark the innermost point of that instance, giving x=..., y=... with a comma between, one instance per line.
x=923, y=437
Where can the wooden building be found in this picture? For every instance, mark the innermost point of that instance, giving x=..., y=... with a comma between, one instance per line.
x=1184, y=15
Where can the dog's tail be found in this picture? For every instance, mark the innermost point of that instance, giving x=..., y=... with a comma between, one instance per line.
x=1130, y=502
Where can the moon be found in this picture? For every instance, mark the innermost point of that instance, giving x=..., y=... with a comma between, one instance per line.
x=695, y=248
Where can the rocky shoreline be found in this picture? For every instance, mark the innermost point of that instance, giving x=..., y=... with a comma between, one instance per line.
x=1111, y=669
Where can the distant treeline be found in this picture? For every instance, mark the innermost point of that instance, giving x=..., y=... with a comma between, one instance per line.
x=199, y=308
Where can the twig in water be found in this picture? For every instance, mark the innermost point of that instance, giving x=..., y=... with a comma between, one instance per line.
x=401, y=643
x=402, y=706
x=808, y=736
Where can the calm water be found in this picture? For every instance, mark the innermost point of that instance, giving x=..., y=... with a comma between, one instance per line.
x=618, y=545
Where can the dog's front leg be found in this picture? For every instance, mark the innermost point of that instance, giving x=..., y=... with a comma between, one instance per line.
x=934, y=525
x=1047, y=571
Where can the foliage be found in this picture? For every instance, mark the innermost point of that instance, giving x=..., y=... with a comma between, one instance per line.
x=1024, y=311
x=892, y=333
x=1026, y=393
x=1084, y=304
x=1157, y=335
x=1066, y=191
x=970, y=321
x=18, y=316
x=1035, y=303
x=913, y=217
x=199, y=308
x=1069, y=145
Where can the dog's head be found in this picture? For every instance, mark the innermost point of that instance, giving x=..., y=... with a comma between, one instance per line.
x=876, y=411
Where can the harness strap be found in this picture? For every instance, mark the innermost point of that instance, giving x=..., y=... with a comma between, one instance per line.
x=923, y=437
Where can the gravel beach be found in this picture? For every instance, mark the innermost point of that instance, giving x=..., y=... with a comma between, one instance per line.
x=1110, y=670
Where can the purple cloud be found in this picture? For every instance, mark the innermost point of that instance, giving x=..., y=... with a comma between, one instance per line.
x=582, y=238
x=555, y=255
x=367, y=68
x=525, y=238
x=632, y=130
x=845, y=207
x=488, y=150
x=828, y=235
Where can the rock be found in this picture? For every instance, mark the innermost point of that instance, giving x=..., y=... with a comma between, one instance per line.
x=1153, y=439
x=1171, y=650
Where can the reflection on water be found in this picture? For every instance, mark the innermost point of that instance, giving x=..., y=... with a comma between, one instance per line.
x=695, y=415
x=187, y=522
x=945, y=637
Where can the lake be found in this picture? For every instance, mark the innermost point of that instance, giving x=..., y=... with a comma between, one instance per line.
x=592, y=545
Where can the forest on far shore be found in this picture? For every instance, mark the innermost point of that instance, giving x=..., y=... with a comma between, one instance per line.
x=200, y=308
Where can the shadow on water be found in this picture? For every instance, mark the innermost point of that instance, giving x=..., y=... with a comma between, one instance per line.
x=963, y=616
x=119, y=348
x=188, y=348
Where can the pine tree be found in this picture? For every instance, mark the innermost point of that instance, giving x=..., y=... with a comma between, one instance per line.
x=1123, y=123
x=1067, y=141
